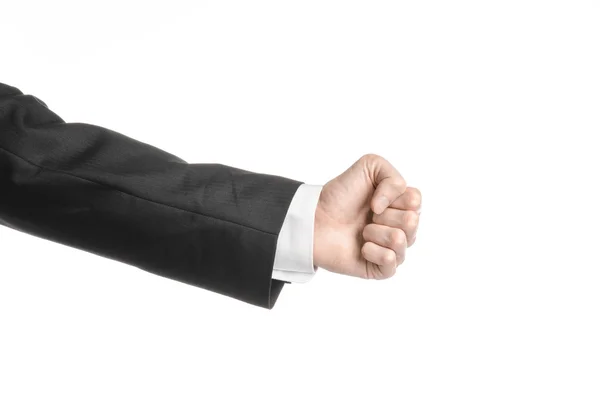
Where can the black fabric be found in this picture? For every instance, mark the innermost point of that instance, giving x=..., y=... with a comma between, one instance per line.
x=88, y=187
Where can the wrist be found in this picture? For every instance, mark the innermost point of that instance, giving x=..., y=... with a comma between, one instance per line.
x=319, y=237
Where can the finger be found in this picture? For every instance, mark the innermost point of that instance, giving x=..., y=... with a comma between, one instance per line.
x=408, y=221
x=412, y=242
x=410, y=200
x=387, y=237
x=384, y=259
x=389, y=183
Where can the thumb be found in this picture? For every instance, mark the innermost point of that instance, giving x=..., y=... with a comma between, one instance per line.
x=389, y=183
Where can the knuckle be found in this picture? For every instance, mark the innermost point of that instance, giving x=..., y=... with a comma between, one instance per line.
x=411, y=220
x=416, y=198
x=370, y=157
x=400, y=259
x=389, y=259
x=399, y=185
x=397, y=238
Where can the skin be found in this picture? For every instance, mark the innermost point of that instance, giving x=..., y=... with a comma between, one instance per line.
x=365, y=220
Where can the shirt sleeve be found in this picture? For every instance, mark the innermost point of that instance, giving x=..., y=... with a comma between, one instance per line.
x=294, y=254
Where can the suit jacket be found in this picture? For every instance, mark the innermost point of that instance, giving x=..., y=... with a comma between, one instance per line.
x=91, y=188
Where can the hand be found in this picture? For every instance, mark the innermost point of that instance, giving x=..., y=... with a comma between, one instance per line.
x=365, y=220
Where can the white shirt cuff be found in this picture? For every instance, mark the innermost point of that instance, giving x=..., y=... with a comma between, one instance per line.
x=294, y=254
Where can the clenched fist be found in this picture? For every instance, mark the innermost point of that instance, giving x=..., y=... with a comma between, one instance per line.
x=365, y=220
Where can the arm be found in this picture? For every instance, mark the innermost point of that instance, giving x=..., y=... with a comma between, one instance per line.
x=208, y=225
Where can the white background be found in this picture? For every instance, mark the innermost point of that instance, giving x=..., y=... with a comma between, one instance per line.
x=491, y=109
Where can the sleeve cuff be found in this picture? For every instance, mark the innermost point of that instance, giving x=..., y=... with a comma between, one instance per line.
x=294, y=254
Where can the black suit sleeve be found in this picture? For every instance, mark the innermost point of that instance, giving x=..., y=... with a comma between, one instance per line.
x=207, y=225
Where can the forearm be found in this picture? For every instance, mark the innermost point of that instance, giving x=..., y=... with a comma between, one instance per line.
x=88, y=187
